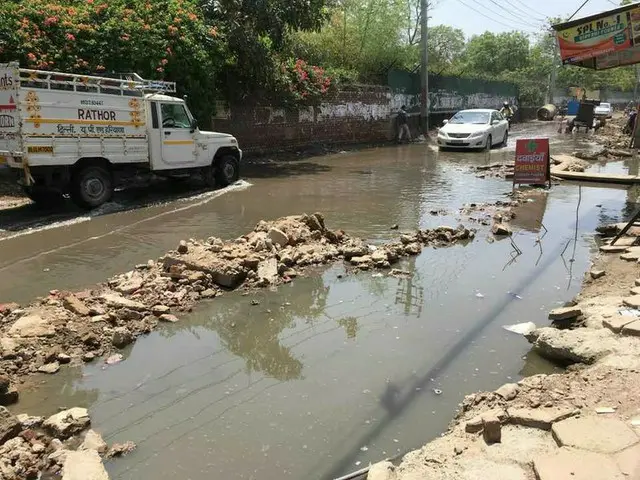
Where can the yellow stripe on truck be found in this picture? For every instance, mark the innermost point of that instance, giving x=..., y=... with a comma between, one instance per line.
x=178, y=142
x=40, y=149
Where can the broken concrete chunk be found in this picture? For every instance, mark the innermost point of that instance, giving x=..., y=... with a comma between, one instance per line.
x=75, y=305
x=565, y=313
x=632, y=329
x=596, y=434
x=491, y=429
x=268, y=269
x=167, y=317
x=117, y=301
x=582, y=345
x=501, y=229
x=32, y=326
x=382, y=471
x=613, y=248
x=278, y=237
x=617, y=322
x=94, y=441
x=183, y=247
x=160, y=309
x=9, y=426
x=130, y=285
x=540, y=418
x=29, y=422
x=508, y=391
x=575, y=465
x=121, y=337
x=10, y=396
x=50, y=368
x=67, y=423
x=596, y=274
x=83, y=465
x=633, y=302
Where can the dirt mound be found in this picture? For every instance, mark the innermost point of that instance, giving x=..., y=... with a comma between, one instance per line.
x=70, y=327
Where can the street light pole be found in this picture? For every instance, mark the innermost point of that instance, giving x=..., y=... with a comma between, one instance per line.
x=424, y=70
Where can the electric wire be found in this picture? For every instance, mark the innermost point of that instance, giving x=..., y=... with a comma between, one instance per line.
x=487, y=16
x=520, y=11
x=515, y=16
x=579, y=8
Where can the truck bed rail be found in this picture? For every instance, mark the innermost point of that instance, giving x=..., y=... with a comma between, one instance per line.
x=130, y=84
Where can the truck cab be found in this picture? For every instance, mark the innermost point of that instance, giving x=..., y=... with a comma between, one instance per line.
x=176, y=142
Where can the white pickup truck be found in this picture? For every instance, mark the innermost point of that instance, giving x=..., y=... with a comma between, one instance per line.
x=82, y=135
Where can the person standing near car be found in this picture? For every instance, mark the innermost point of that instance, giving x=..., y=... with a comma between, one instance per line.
x=403, y=124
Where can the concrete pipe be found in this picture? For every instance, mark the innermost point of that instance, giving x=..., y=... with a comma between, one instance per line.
x=547, y=112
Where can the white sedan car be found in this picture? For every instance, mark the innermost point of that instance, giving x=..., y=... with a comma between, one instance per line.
x=603, y=110
x=476, y=128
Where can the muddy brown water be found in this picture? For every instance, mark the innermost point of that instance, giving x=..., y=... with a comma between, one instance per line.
x=333, y=371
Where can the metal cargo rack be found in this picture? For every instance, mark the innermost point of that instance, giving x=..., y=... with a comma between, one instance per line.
x=126, y=84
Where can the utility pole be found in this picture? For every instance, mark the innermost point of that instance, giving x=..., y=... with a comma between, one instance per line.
x=554, y=70
x=424, y=68
x=635, y=88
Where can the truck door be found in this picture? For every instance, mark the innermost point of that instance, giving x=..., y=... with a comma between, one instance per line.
x=178, y=143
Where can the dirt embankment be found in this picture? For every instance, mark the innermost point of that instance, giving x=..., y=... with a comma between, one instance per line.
x=582, y=424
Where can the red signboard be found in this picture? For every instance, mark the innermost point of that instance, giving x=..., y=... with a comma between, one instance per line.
x=532, y=161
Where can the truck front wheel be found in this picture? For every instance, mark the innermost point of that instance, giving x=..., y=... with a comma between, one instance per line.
x=91, y=186
x=227, y=170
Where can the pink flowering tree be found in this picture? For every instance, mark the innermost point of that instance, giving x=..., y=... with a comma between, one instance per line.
x=304, y=83
x=159, y=39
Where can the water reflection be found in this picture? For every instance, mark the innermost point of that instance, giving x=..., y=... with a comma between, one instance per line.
x=255, y=335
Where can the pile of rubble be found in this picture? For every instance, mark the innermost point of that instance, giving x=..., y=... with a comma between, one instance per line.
x=62, y=445
x=495, y=170
x=80, y=327
x=603, y=154
x=611, y=135
x=499, y=214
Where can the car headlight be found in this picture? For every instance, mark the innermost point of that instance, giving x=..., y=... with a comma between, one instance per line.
x=477, y=134
x=442, y=134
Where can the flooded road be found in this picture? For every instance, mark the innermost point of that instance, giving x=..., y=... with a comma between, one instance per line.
x=332, y=371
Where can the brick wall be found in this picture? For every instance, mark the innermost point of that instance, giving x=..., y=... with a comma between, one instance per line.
x=361, y=115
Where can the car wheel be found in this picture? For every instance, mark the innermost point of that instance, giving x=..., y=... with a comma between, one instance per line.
x=489, y=143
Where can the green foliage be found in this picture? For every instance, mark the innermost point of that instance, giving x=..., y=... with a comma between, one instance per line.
x=160, y=39
x=256, y=34
x=492, y=54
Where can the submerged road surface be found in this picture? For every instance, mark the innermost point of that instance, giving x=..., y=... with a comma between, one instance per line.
x=330, y=372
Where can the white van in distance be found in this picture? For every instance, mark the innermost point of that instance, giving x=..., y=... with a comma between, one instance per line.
x=81, y=135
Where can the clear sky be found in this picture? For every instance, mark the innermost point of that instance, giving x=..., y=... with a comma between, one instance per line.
x=506, y=15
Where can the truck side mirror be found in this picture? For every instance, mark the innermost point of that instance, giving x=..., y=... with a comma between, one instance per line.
x=194, y=125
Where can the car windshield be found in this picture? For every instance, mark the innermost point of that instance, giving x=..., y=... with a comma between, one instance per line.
x=605, y=105
x=477, y=118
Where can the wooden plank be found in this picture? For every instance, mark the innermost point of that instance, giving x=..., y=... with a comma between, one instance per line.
x=597, y=177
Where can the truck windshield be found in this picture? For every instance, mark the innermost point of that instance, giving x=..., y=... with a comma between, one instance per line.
x=174, y=115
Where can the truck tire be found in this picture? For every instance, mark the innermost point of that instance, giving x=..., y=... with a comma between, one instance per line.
x=227, y=170
x=91, y=186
